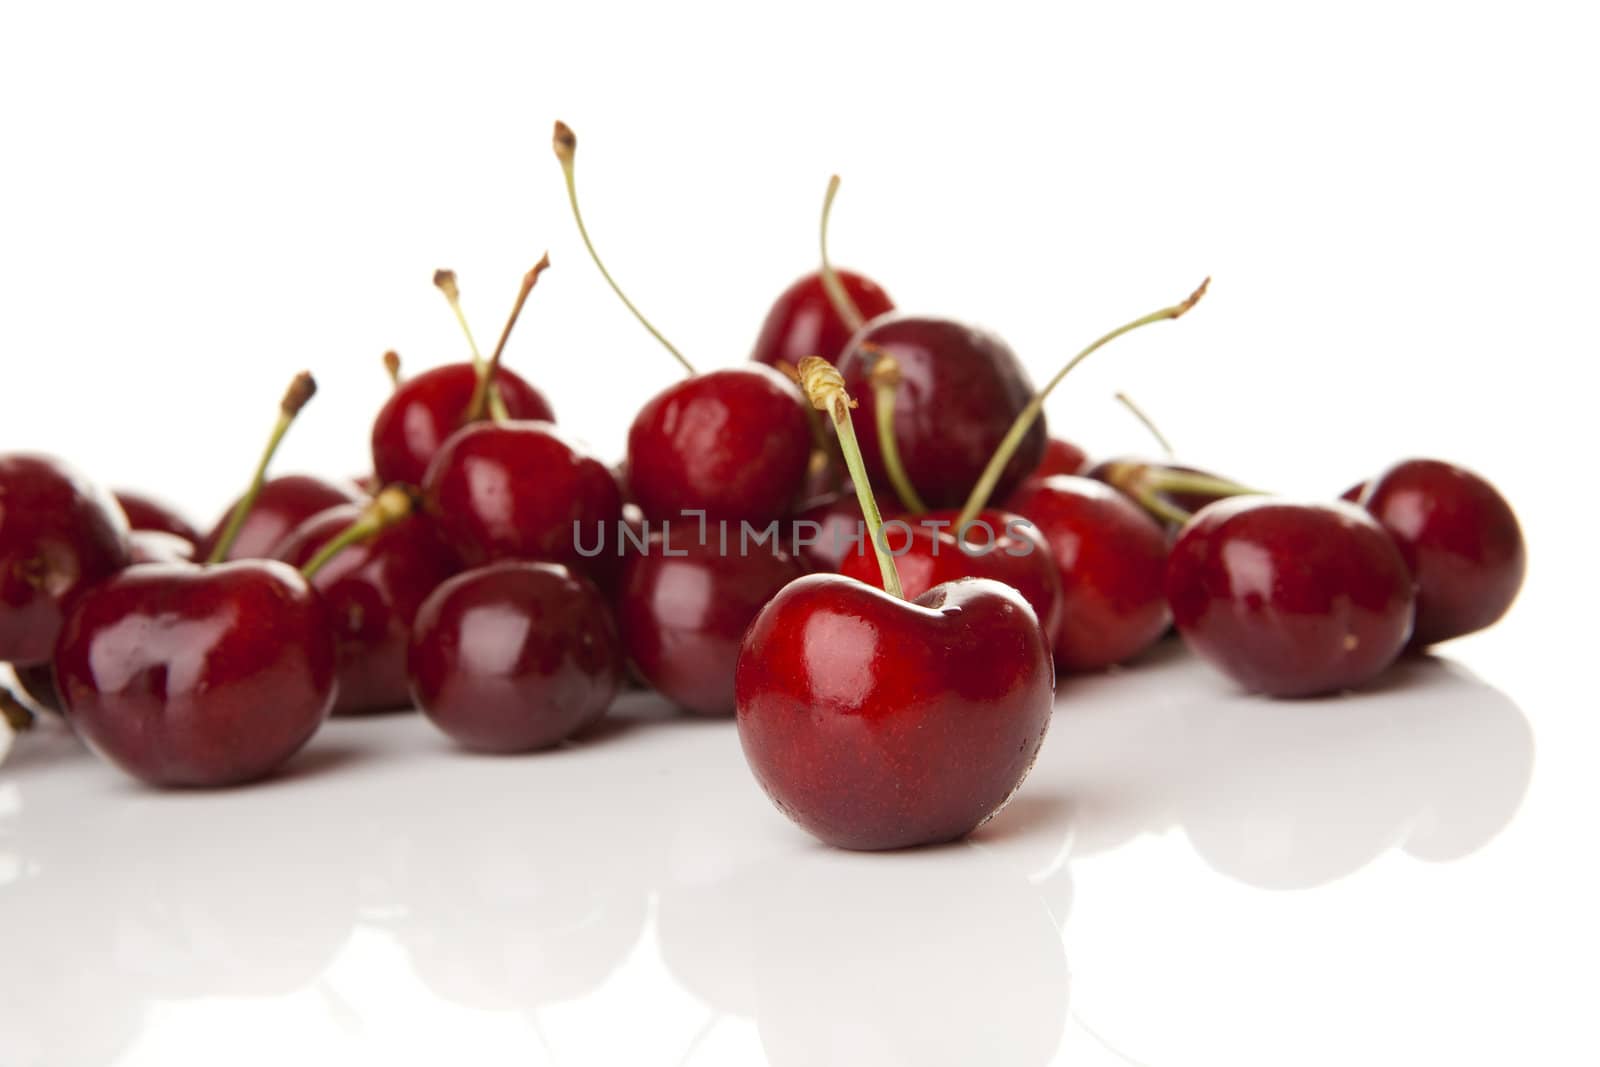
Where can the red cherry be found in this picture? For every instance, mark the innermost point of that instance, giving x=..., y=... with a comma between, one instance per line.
x=147, y=513
x=521, y=490
x=803, y=321
x=59, y=535
x=514, y=656
x=284, y=503
x=158, y=546
x=682, y=615
x=425, y=410
x=372, y=590
x=1290, y=599
x=1000, y=545
x=879, y=723
x=1060, y=457
x=1459, y=537
x=960, y=390
x=734, y=443
x=1111, y=559
x=185, y=675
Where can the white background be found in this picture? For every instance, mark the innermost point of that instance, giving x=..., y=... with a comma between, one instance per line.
x=1397, y=200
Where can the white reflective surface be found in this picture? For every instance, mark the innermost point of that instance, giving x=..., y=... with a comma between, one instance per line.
x=1189, y=877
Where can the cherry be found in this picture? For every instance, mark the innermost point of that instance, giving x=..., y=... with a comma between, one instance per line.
x=514, y=656
x=1290, y=599
x=200, y=675
x=875, y=722
x=827, y=529
x=1110, y=558
x=683, y=605
x=158, y=546
x=733, y=443
x=424, y=411
x=147, y=513
x=1060, y=457
x=282, y=504
x=1460, y=539
x=372, y=589
x=59, y=535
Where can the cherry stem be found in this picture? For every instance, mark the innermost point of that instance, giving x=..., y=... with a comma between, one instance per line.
x=824, y=387
x=885, y=379
x=300, y=391
x=486, y=400
x=14, y=712
x=445, y=282
x=391, y=363
x=565, y=143
x=838, y=296
x=1147, y=422
x=392, y=505
x=1150, y=485
x=1025, y=420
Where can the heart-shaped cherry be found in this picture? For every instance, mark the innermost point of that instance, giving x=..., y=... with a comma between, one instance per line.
x=384, y=564
x=875, y=722
x=684, y=603
x=425, y=410
x=515, y=656
x=1459, y=537
x=734, y=443
x=1290, y=599
x=59, y=535
x=147, y=513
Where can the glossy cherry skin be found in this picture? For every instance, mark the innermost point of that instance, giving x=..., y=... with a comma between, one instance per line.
x=514, y=656
x=521, y=490
x=682, y=614
x=1000, y=545
x=158, y=546
x=878, y=723
x=372, y=591
x=1459, y=537
x=1060, y=457
x=1290, y=599
x=733, y=443
x=422, y=413
x=147, y=513
x=59, y=535
x=185, y=675
x=830, y=527
x=284, y=503
x=1111, y=559
x=960, y=390
x=802, y=321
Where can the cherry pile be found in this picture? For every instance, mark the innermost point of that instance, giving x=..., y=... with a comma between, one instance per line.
x=891, y=671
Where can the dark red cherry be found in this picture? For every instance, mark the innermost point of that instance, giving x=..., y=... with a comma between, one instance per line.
x=960, y=390
x=1459, y=537
x=372, y=590
x=59, y=535
x=185, y=675
x=425, y=410
x=147, y=513
x=514, y=656
x=158, y=546
x=1111, y=559
x=999, y=545
x=877, y=723
x=521, y=490
x=285, y=502
x=1290, y=599
x=803, y=322
x=827, y=530
x=683, y=606
x=39, y=683
x=1060, y=457
x=733, y=443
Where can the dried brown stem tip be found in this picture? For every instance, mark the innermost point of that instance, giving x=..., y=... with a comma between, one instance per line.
x=445, y=282
x=391, y=363
x=300, y=392
x=565, y=142
x=824, y=386
x=1194, y=298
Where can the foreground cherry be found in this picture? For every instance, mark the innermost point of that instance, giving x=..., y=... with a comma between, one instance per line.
x=1290, y=599
x=1459, y=537
x=876, y=722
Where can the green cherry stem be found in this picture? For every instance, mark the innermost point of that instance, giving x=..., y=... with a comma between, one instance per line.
x=838, y=296
x=445, y=282
x=824, y=387
x=1147, y=422
x=486, y=400
x=565, y=143
x=300, y=391
x=885, y=379
x=1024, y=421
x=14, y=711
x=392, y=505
